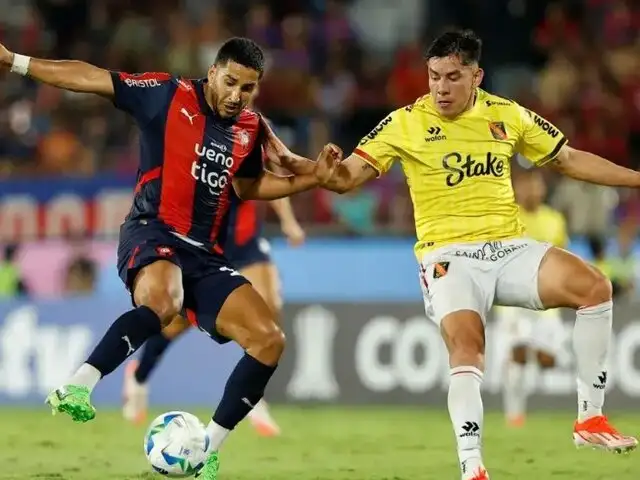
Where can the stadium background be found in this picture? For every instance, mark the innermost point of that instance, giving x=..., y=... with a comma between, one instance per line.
x=335, y=68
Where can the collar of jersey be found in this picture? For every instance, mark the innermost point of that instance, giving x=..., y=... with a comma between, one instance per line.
x=205, y=109
x=480, y=94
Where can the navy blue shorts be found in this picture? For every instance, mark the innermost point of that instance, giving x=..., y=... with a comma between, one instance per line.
x=207, y=278
x=256, y=250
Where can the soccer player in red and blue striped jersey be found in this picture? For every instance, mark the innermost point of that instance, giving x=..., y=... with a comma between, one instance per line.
x=249, y=253
x=198, y=143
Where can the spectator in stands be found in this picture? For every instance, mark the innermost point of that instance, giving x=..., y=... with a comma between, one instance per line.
x=11, y=283
x=335, y=68
x=81, y=276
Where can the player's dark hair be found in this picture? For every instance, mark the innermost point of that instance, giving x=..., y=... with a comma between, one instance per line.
x=465, y=44
x=243, y=51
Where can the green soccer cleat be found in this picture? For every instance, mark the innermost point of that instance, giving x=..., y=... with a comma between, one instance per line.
x=73, y=400
x=209, y=470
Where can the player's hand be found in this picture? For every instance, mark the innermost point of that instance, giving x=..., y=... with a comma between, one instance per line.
x=336, y=150
x=6, y=58
x=327, y=163
x=273, y=146
x=294, y=233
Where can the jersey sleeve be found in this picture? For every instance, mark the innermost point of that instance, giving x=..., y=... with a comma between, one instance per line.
x=540, y=141
x=141, y=95
x=379, y=147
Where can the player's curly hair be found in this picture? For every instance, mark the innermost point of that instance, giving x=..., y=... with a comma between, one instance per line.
x=243, y=51
x=463, y=43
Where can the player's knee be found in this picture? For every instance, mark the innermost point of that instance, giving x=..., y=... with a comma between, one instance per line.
x=467, y=352
x=165, y=302
x=463, y=334
x=599, y=291
x=519, y=354
x=267, y=343
x=545, y=360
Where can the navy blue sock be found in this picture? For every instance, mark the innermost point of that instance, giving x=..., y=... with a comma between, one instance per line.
x=150, y=357
x=123, y=338
x=244, y=389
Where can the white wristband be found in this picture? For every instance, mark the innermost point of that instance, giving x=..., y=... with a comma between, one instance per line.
x=20, y=64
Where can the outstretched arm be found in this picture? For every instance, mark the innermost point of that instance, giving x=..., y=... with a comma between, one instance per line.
x=592, y=168
x=67, y=74
x=288, y=221
x=269, y=186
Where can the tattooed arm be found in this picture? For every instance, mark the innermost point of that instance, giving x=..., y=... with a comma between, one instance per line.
x=350, y=174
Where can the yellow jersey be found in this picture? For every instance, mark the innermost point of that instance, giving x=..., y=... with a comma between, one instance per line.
x=545, y=225
x=458, y=170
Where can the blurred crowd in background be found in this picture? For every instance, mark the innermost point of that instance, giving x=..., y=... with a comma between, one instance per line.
x=335, y=68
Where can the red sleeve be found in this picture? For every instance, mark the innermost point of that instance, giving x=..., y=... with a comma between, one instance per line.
x=252, y=166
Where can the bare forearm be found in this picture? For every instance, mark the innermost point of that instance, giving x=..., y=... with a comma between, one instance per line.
x=297, y=164
x=72, y=75
x=339, y=185
x=273, y=187
x=344, y=180
x=592, y=168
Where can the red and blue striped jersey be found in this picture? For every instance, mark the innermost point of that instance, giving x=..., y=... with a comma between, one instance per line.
x=243, y=222
x=188, y=154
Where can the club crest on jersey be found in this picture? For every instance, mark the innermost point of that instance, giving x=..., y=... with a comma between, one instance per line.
x=440, y=269
x=243, y=138
x=184, y=85
x=164, y=251
x=498, y=130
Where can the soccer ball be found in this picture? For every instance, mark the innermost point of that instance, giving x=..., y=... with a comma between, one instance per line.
x=176, y=444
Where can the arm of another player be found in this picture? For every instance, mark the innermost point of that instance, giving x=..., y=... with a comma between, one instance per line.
x=269, y=186
x=373, y=156
x=288, y=222
x=351, y=173
x=70, y=75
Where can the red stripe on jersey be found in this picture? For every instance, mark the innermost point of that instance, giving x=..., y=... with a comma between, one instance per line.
x=159, y=76
x=372, y=161
x=248, y=123
x=246, y=222
x=147, y=177
x=182, y=134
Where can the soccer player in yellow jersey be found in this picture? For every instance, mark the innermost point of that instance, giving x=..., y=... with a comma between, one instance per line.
x=454, y=146
x=533, y=336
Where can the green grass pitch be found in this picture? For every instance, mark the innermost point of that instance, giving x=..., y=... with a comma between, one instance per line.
x=317, y=444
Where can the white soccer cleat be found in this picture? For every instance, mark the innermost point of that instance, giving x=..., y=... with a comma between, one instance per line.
x=135, y=397
x=262, y=420
x=597, y=432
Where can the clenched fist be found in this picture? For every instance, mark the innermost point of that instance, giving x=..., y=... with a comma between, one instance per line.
x=327, y=162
